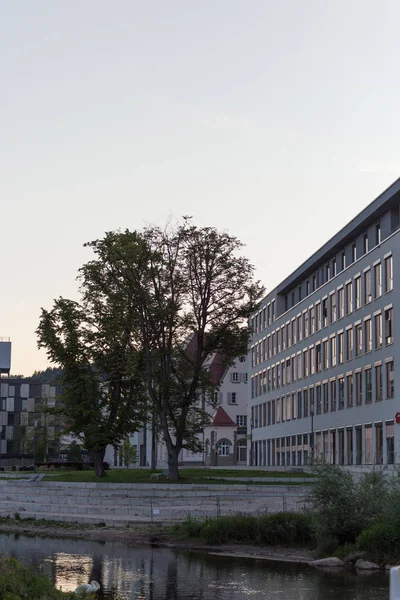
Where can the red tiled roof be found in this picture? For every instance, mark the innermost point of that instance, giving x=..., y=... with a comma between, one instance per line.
x=222, y=419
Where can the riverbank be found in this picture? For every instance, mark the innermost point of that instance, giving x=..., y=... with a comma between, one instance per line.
x=154, y=536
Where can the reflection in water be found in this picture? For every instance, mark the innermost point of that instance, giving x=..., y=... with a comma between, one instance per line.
x=143, y=573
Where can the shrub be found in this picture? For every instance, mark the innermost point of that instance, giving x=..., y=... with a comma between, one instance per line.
x=285, y=529
x=17, y=582
x=381, y=543
x=238, y=528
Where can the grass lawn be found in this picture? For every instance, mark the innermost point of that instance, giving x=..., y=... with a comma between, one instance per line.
x=187, y=476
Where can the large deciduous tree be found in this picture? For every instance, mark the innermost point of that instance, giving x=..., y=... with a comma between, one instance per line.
x=104, y=395
x=191, y=293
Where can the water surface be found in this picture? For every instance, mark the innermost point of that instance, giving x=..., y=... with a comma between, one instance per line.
x=145, y=573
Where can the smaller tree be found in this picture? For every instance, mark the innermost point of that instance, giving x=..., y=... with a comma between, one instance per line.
x=128, y=453
x=74, y=453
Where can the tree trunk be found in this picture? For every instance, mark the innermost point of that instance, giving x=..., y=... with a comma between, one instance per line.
x=153, y=443
x=98, y=457
x=173, y=469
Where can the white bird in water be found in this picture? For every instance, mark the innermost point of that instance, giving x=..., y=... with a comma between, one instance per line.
x=89, y=588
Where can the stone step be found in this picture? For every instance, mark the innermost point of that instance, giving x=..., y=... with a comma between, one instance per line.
x=103, y=519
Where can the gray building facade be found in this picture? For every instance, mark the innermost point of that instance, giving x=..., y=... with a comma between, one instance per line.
x=323, y=354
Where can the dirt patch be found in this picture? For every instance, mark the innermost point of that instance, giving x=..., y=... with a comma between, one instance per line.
x=157, y=537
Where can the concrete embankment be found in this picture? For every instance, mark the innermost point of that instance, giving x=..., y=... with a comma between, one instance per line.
x=119, y=505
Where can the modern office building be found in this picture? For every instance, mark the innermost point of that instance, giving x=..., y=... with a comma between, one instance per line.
x=323, y=360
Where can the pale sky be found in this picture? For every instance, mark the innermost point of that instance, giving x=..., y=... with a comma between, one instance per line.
x=277, y=120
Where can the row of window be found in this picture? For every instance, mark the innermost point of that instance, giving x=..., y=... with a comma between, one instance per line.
x=347, y=390
x=357, y=339
x=341, y=302
x=352, y=445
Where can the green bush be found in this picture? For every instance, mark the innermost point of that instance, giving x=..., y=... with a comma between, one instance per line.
x=239, y=528
x=381, y=543
x=285, y=529
x=18, y=583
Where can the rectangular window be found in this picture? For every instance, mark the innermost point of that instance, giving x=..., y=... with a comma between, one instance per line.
x=294, y=337
x=368, y=444
x=312, y=407
x=390, y=442
x=299, y=405
x=349, y=298
x=241, y=420
x=367, y=287
x=377, y=234
x=314, y=283
x=318, y=357
x=340, y=302
x=340, y=339
x=299, y=367
x=357, y=290
x=326, y=397
x=333, y=395
x=318, y=314
x=332, y=301
x=288, y=335
x=299, y=293
x=307, y=287
x=359, y=339
x=288, y=370
x=354, y=252
x=378, y=280
x=343, y=260
x=368, y=335
x=318, y=393
x=334, y=267
x=325, y=312
x=341, y=392
x=326, y=354
x=358, y=388
x=349, y=379
x=235, y=377
x=305, y=403
x=349, y=344
x=389, y=379
x=305, y=323
x=368, y=386
x=389, y=326
x=283, y=338
x=365, y=243
x=388, y=274
x=312, y=320
x=378, y=383
x=359, y=449
x=312, y=361
x=378, y=331
x=327, y=272
x=305, y=363
x=333, y=351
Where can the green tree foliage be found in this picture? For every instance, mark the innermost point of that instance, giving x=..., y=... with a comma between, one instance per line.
x=128, y=453
x=74, y=452
x=92, y=342
x=191, y=293
x=49, y=375
x=17, y=582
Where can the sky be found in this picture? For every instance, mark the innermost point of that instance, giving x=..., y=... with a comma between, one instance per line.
x=277, y=121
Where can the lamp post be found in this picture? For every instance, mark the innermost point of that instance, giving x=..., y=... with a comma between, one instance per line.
x=34, y=444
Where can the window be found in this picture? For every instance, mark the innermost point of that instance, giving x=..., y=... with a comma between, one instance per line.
x=312, y=320
x=326, y=397
x=332, y=300
x=357, y=289
x=305, y=403
x=343, y=261
x=378, y=383
x=365, y=243
x=340, y=302
x=293, y=327
x=368, y=386
x=288, y=335
x=341, y=392
x=318, y=314
x=358, y=339
x=318, y=359
x=299, y=405
x=288, y=370
x=327, y=272
x=340, y=339
x=299, y=369
x=299, y=328
x=325, y=312
x=389, y=379
x=388, y=274
x=358, y=388
x=354, y=252
x=232, y=395
x=312, y=401
x=333, y=395
x=223, y=447
x=368, y=444
x=283, y=338
x=349, y=344
x=305, y=319
x=333, y=351
x=367, y=287
x=299, y=293
x=378, y=331
x=389, y=326
x=378, y=280
x=326, y=354
x=334, y=267
x=368, y=335
x=241, y=420
x=305, y=363
x=377, y=234
x=318, y=393
x=349, y=379
x=307, y=287
x=349, y=298
x=235, y=377
x=312, y=361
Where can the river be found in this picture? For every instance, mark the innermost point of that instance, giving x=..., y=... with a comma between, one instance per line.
x=146, y=573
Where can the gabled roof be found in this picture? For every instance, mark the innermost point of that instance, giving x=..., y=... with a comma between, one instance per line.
x=222, y=419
